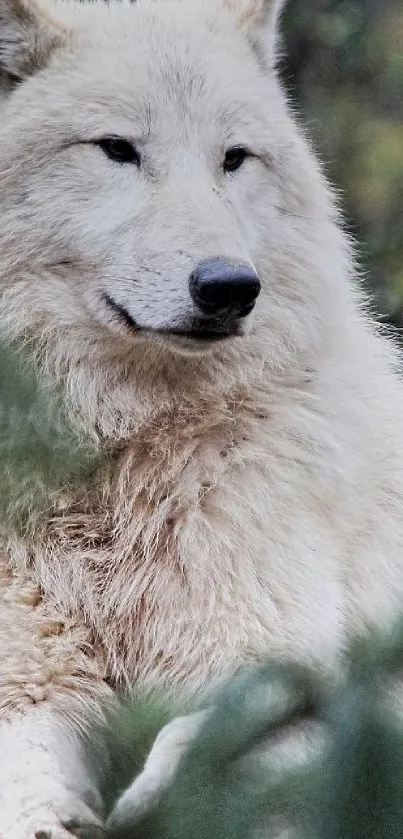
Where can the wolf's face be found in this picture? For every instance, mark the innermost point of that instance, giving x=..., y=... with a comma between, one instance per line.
x=149, y=166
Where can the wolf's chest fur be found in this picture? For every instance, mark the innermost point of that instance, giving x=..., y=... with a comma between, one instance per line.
x=199, y=552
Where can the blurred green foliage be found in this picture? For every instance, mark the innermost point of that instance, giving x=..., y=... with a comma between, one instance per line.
x=349, y=788
x=40, y=451
x=343, y=64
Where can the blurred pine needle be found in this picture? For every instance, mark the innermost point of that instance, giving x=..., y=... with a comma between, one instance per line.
x=352, y=788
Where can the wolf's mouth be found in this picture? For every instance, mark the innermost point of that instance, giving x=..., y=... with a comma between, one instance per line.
x=207, y=335
x=200, y=333
x=119, y=310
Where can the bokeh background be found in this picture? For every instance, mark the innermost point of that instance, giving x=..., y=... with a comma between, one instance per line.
x=343, y=65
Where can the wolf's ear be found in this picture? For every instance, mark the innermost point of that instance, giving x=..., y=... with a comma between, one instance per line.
x=28, y=37
x=259, y=19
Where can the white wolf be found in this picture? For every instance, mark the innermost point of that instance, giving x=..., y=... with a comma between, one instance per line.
x=171, y=253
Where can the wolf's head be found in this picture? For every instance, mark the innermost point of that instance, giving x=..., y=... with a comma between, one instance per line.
x=154, y=188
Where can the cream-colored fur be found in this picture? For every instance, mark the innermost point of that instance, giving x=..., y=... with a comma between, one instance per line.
x=252, y=502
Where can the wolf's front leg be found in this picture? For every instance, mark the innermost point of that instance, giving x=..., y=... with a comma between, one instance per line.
x=172, y=743
x=45, y=790
x=51, y=688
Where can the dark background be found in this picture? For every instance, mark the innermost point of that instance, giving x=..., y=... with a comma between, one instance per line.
x=343, y=65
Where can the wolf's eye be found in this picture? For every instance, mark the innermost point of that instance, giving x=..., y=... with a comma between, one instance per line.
x=234, y=158
x=121, y=151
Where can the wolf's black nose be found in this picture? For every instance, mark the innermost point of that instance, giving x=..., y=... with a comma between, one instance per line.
x=220, y=287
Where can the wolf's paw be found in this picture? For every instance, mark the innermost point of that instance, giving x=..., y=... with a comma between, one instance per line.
x=70, y=818
x=171, y=744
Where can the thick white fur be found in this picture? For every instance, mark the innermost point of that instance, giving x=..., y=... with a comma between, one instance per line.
x=42, y=784
x=253, y=502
